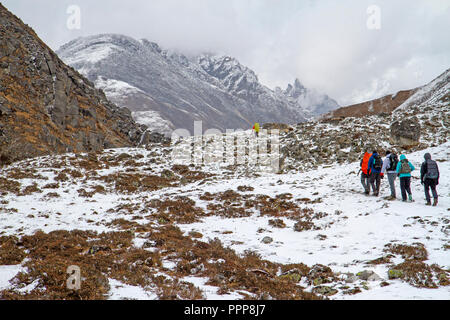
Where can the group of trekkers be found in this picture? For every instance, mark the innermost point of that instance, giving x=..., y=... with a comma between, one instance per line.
x=373, y=169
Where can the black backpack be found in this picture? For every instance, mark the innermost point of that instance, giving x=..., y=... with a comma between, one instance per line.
x=432, y=170
x=393, y=161
x=377, y=163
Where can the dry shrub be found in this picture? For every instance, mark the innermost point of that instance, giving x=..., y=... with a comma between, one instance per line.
x=181, y=210
x=51, y=186
x=421, y=275
x=33, y=188
x=189, y=175
x=89, y=194
x=232, y=272
x=227, y=211
x=173, y=289
x=304, y=225
x=9, y=185
x=28, y=173
x=416, y=251
x=277, y=223
x=250, y=273
x=11, y=251
x=111, y=255
x=135, y=182
x=382, y=260
x=245, y=188
x=51, y=254
x=62, y=177
x=73, y=173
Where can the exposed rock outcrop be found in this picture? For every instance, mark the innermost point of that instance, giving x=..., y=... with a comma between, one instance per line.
x=405, y=132
x=47, y=107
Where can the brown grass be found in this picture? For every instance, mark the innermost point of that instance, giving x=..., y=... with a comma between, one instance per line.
x=416, y=251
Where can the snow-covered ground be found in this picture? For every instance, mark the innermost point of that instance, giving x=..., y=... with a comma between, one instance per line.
x=353, y=230
x=361, y=225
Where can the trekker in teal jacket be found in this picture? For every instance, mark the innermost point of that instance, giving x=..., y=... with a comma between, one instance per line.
x=404, y=169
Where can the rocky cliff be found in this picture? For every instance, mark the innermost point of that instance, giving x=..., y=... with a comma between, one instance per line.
x=47, y=107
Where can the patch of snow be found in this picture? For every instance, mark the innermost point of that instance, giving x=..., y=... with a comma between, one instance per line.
x=7, y=272
x=122, y=291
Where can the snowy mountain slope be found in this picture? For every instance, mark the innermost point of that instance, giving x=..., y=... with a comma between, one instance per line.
x=432, y=95
x=215, y=89
x=296, y=225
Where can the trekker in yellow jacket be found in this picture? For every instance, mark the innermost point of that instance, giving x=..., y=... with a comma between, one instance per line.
x=256, y=128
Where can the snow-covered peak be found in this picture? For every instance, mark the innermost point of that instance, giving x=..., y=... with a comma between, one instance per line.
x=310, y=100
x=231, y=75
x=151, y=45
x=93, y=49
x=296, y=90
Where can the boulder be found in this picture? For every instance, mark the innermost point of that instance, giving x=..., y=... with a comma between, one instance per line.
x=267, y=240
x=405, y=132
x=368, y=275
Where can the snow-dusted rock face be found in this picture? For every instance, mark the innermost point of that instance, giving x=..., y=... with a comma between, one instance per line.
x=178, y=89
x=314, y=103
x=46, y=107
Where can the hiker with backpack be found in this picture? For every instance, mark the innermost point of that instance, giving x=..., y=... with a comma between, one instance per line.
x=374, y=171
x=404, y=169
x=364, y=173
x=390, y=167
x=429, y=178
x=256, y=129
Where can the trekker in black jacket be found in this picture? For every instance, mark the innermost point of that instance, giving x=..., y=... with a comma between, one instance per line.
x=429, y=178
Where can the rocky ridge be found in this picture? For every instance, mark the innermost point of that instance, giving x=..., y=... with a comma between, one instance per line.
x=47, y=107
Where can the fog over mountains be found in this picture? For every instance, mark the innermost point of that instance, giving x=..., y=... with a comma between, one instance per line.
x=168, y=90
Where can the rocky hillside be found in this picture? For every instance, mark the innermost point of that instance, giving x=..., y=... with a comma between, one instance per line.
x=47, y=107
x=386, y=104
x=169, y=90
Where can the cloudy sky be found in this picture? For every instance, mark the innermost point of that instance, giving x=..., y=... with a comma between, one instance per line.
x=352, y=50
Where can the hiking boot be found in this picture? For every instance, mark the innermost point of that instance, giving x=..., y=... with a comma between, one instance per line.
x=410, y=198
x=428, y=203
x=435, y=202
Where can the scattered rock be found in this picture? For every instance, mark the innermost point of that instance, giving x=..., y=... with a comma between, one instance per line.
x=267, y=240
x=368, y=275
x=351, y=278
x=325, y=290
x=395, y=274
